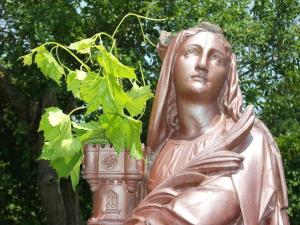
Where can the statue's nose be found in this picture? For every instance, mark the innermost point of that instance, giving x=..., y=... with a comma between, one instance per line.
x=202, y=63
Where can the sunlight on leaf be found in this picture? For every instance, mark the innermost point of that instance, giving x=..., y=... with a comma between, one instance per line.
x=49, y=66
x=57, y=117
x=75, y=173
x=138, y=97
x=27, y=59
x=112, y=65
x=82, y=46
x=95, y=91
x=123, y=133
x=74, y=80
x=65, y=165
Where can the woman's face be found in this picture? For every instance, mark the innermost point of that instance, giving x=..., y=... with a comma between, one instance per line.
x=201, y=67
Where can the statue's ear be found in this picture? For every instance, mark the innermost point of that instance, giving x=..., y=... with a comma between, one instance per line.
x=165, y=39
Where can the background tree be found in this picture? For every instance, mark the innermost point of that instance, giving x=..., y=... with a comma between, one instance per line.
x=265, y=38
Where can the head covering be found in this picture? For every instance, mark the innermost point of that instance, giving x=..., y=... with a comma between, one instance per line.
x=163, y=119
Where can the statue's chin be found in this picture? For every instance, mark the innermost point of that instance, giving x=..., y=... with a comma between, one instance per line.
x=198, y=83
x=202, y=92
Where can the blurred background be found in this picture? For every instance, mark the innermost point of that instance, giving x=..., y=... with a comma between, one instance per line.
x=264, y=35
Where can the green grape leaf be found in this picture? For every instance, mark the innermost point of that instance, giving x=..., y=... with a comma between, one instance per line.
x=112, y=65
x=135, y=134
x=90, y=132
x=83, y=46
x=90, y=91
x=136, y=149
x=123, y=132
x=119, y=96
x=27, y=59
x=48, y=65
x=80, y=75
x=59, y=140
x=95, y=92
x=66, y=129
x=92, y=125
x=60, y=148
x=106, y=119
x=75, y=173
x=69, y=147
x=50, y=132
x=138, y=97
x=57, y=117
x=47, y=151
x=65, y=165
x=93, y=137
x=74, y=80
x=38, y=49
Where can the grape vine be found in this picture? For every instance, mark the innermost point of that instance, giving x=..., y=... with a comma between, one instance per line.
x=101, y=90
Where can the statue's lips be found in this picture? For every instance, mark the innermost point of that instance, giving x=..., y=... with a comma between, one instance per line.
x=198, y=77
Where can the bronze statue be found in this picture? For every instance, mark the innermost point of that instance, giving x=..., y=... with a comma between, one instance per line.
x=214, y=163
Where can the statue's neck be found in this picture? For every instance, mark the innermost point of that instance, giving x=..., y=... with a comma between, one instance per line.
x=196, y=119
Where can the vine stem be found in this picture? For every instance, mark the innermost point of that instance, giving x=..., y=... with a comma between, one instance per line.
x=56, y=52
x=70, y=52
x=76, y=109
x=136, y=15
x=141, y=70
x=110, y=37
x=105, y=34
x=143, y=33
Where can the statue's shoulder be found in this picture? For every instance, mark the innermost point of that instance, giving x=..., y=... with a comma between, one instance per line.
x=261, y=129
x=259, y=141
x=258, y=130
x=251, y=134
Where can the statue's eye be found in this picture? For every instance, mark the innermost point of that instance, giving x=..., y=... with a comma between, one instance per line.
x=216, y=58
x=192, y=51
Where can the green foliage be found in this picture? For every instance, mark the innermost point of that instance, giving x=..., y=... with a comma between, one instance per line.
x=112, y=65
x=102, y=91
x=289, y=141
x=83, y=46
x=74, y=80
x=48, y=65
x=61, y=147
x=137, y=99
x=27, y=59
x=94, y=91
x=90, y=132
x=124, y=132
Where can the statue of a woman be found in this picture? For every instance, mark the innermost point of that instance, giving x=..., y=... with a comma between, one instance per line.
x=215, y=164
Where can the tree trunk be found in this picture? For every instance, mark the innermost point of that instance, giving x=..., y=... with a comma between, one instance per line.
x=71, y=203
x=51, y=195
x=58, y=198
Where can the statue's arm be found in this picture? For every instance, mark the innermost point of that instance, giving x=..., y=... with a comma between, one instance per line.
x=205, y=204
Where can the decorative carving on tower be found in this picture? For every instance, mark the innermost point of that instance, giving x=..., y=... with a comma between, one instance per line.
x=115, y=181
x=111, y=202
